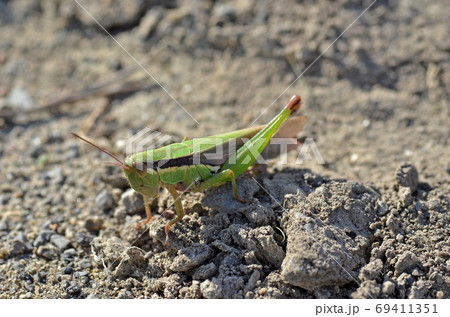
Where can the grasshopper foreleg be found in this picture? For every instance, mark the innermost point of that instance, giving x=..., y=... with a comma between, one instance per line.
x=147, y=211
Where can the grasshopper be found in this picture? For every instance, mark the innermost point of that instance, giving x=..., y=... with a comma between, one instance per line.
x=189, y=165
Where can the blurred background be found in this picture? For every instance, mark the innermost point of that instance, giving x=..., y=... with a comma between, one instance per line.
x=377, y=96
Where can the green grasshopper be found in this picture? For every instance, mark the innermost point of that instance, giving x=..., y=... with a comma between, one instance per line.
x=192, y=164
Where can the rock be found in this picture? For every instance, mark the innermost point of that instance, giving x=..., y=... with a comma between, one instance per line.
x=73, y=289
x=69, y=255
x=407, y=176
x=132, y=201
x=48, y=252
x=54, y=176
x=72, y=151
x=260, y=215
x=406, y=262
x=85, y=264
x=405, y=196
x=82, y=239
x=4, y=199
x=59, y=241
x=15, y=247
x=36, y=150
x=104, y=200
x=93, y=223
x=67, y=270
x=231, y=285
x=42, y=238
x=20, y=98
x=191, y=257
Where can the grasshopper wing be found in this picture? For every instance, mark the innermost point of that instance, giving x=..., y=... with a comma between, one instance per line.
x=286, y=135
x=285, y=138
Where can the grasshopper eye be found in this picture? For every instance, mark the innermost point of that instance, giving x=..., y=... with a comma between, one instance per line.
x=142, y=171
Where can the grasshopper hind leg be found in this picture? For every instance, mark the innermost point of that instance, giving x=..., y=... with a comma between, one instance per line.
x=220, y=179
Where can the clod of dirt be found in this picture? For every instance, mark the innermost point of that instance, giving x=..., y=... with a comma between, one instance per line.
x=205, y=271
x=371, y=271
x=119, y=258
x=259, y=240
x=406, y=262
x=221, y=198
x=328, y=235
x=407, y=176
x=191, y=257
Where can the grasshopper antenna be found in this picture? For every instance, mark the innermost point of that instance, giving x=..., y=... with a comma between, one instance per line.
x=99, y=148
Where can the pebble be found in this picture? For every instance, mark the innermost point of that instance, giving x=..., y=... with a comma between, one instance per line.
x=3, y=226
x=85, y=264
x=125, y=294
x=36, y=151
x=72, y=152
x=42, y=238
x=20, y=98
x=83, y=239
x=15, y=247
x=69, y=255
x=81, y=274
x=399, y=237
x=73, y=289
x=67, y=270
x=132, y=201
x=93, y=223
x=54, y=176
x=48, y=252
x=4, y=199
x=59, y=241
x=104, y=200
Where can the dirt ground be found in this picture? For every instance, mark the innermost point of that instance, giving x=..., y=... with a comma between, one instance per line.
x=372, y=222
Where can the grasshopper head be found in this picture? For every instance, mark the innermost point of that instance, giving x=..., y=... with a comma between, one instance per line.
x=142, y=180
